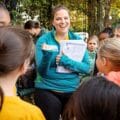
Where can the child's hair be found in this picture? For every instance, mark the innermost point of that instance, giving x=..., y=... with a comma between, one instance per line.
x=110, y=48
x=107, y=30
x=31, y=24
x=95, y=99
x=16, y=46
x=1, y=98
x=93, y=37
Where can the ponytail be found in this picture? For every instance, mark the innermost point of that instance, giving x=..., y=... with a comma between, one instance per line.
x=1, y=98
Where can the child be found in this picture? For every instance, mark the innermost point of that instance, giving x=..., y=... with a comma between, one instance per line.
x=106, y=33
x=95, y=99
x=108, y=60
x=34, y=28
x=92, y=44
x=16, y=50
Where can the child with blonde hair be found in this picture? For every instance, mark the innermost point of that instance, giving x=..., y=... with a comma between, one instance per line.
x=108, y=60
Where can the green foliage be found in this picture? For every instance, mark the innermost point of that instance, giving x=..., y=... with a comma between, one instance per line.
x=86, y=15
x=115, y=13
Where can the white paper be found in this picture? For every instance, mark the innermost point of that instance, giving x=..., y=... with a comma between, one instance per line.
x=74, y=49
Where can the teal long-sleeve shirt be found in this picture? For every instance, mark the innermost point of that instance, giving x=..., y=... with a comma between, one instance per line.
x=46, y=65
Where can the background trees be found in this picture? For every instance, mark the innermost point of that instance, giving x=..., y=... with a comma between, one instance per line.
x=86, y=15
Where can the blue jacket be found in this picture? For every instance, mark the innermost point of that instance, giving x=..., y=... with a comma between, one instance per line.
x=46, y=65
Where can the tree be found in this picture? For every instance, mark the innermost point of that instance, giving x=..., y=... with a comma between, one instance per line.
x=107, y=7
x=98, y=15
x=86, y=15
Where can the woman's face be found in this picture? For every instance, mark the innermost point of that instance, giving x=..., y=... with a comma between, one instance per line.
x=61, y=21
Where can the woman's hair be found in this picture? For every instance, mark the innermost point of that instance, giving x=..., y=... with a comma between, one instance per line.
x=110, y=48
x=56, y=9
x=95, y=99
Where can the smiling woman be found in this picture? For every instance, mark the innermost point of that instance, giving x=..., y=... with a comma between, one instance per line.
x=61, y=22
x=54, y=89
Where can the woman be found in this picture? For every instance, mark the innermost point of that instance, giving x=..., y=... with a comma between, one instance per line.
x=54, y=89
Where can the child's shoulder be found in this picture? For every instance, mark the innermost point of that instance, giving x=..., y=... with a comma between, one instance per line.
x=32, y=109
x=22, y=109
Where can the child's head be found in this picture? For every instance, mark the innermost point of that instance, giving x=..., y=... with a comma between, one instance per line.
x=96, y=99
x=108, y=58
x=16, y=48
x=33, y=27
x=92, y=43
x=106, y=33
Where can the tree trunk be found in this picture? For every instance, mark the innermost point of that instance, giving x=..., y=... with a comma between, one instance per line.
x=100, y=15
x=92, y=21
x=107, y=11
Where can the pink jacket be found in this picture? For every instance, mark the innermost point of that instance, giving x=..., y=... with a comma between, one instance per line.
x=114, y=76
